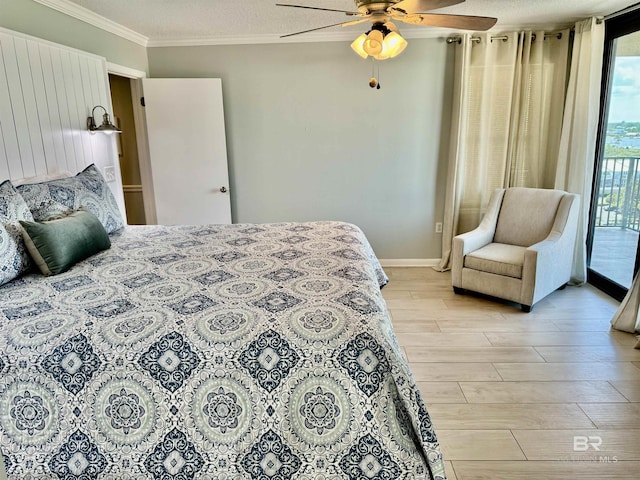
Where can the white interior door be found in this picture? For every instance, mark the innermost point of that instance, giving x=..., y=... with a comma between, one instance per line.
x=187, y=148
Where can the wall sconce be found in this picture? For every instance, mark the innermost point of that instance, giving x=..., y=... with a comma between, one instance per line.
x=106, y=126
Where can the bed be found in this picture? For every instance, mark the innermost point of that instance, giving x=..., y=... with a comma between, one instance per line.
x=236, y=351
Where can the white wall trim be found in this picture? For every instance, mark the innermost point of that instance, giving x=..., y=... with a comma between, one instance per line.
x=84, y=14
x=123, y=71
x=409, y=262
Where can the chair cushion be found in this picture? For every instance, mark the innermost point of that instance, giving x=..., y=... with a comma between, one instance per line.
x=527, y=215
x=497, y=258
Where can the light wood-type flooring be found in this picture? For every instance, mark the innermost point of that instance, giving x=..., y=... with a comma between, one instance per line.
x=553, y=394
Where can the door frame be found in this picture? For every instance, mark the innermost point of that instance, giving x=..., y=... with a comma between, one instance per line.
x=615, y=27
x=144, y=159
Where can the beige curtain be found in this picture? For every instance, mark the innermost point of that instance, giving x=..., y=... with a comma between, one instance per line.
x=508, y=103
x=627, y=316
x=574, y=169
x=456, y=150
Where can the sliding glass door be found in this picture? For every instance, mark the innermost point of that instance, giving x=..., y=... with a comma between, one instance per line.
x=615, y=209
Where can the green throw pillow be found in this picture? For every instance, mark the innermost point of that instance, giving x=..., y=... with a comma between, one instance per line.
x=57, y=245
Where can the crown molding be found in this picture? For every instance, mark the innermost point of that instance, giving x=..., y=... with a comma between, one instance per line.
x=81, y=13
x=76, y=11
x=336, y=36
x=313, y=37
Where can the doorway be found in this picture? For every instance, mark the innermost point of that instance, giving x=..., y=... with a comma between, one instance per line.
x=614, y=227
x=128, y=149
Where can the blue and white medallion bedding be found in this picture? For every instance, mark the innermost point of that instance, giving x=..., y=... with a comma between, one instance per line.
x=215, y=352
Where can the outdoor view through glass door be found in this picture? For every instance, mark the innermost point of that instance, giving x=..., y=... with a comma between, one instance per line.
x=615, y=218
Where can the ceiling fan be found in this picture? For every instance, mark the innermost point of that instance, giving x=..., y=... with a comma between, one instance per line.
x=383, y=40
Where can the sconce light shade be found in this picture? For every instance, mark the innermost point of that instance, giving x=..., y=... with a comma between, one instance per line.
x=381, y=42
x=105, y=127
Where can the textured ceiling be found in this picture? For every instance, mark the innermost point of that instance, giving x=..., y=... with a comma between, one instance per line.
x=226, y=20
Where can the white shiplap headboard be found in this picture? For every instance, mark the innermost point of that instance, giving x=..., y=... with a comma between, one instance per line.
x=47, y=92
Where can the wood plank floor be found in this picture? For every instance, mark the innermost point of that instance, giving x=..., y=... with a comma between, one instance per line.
x=508, y=391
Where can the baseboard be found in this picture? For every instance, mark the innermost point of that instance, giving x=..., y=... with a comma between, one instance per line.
x=410, y=262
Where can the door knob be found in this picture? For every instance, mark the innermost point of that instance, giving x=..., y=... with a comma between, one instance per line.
x=223, y=189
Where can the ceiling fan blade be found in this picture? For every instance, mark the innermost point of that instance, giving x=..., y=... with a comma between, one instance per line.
x=312, y=30
x=355, y=22
x=416, y=6
x=347, y=12
x=464, y=22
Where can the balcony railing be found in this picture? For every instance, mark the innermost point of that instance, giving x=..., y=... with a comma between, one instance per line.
x=619, y=193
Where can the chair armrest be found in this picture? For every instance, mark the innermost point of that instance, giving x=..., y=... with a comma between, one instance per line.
x=464, y=244
x=559, y=245
x=475, y=239
x=483, y=234
x=545, y=250
x=548, y=264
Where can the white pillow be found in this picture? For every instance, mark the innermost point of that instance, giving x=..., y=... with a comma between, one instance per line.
x=41, y=178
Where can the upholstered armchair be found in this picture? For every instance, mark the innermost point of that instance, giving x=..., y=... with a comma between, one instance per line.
x=522, y=250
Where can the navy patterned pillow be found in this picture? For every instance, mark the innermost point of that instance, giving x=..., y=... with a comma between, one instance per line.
x=88, y=189
x=14, y=259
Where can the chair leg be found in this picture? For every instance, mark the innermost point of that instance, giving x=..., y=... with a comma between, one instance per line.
x=562, y=287
x=526, y=308
x=458, y=290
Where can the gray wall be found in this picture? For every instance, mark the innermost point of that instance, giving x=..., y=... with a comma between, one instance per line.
x=308, y=139
x=31, y=18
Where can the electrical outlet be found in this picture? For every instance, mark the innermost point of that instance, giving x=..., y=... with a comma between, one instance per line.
x=110, y=174
x=439, y=227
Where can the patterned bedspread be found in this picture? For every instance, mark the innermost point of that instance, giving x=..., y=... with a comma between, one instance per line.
x=215, y=352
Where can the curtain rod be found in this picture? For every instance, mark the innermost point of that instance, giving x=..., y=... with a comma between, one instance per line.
x=630, y=8
x=504, y=38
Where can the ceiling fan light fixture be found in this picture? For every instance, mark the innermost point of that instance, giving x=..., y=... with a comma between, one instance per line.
x=391, y=27
x=373, y=44
x=358, y=45
x=381, y=42
x=394, y=45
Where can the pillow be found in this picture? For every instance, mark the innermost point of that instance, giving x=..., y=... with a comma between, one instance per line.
x=41, y=178
x=14, y=259
x=57, y=245
x=59, y=197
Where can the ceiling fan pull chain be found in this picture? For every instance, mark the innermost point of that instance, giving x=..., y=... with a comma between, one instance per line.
x=373, y=82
